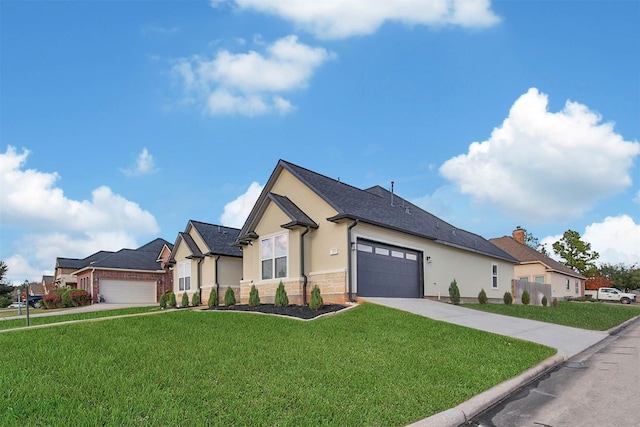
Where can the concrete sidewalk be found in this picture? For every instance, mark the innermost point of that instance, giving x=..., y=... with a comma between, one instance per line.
x=568, y=341
x=84, y=309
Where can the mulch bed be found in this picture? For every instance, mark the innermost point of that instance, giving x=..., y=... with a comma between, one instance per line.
x=299, y=311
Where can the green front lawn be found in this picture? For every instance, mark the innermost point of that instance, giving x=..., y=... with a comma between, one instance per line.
x=371, y=365
x=596, y=316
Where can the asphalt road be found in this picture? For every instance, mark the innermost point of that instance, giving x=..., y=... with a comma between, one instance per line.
x=598, y=387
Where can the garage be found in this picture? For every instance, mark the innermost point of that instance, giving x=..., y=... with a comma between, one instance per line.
x=127, y=291
x=388, y=271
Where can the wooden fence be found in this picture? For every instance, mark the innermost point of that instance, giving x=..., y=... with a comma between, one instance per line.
x=536, y=291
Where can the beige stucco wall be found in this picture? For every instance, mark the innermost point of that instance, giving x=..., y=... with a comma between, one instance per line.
x=558, y=281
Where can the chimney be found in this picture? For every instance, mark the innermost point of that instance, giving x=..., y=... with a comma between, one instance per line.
x=518, y=235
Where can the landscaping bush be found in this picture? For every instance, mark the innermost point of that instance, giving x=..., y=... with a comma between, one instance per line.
x=185, y=300
x=163, y=301
x=254, y=297
x=454, y=292
x=213, y=298
x=195, y=299
x=4, y=302
x=282, y=300
x=75, y=298
x=482, y=297
x=52, y=301
x=526, y=298
x=316, y=302
x=507, y=298
x=229, y=297
x=171, y=299
x=544, y=301
x=554, y=302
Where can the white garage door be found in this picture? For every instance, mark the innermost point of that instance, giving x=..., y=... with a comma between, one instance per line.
x=122, y=291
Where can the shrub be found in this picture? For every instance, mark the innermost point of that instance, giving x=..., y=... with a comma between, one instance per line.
x=316, y=302
x=526, y=298
x=554, y=302
x=507, y=298
x=213, y=298
x=163, y=301
x=185, y=300
x=4, y=302
x=544, y=301
x=52, y=301
x=454, y=292
x=229, y=297
x=171, y=299
x=254, y=296
x=195, y=299
x=482, y=297
x=75, y=298
x=282, y=300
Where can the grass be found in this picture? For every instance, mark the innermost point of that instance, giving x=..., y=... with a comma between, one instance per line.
x=595, y=316
x=371, y=365
x=18, y=323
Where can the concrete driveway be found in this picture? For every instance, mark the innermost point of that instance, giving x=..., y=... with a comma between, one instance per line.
x=568, y=341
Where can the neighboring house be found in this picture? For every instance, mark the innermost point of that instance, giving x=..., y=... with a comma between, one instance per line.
x=65, y=267
x=127, y=276
x=47, y=284
x=203, y=259
x=537, y=267
x=307, y=229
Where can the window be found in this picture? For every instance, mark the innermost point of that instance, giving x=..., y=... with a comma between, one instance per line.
x=184, y=275
x=273, y=254
x=568, y=284
x=577, y=286
x=494, y=274
x=539, y=279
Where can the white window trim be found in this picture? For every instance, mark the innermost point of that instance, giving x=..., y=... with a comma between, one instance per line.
x=272, y=237
x=494, y=277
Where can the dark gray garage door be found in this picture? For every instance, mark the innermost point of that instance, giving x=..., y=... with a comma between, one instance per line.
x=388, y=271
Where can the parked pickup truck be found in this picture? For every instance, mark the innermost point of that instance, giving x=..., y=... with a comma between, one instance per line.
x=611, y=294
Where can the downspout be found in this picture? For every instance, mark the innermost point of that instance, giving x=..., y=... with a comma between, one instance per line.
x=304, y=277
x=199, y=284
x=217, y=284
x=349, y=262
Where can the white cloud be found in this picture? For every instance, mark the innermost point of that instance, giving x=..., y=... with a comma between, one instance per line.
x=543, y=166
x=236, y=212
x=31, y=200
x=346, y=18
x=616, y=239
x=250, y=83
x=144, y=165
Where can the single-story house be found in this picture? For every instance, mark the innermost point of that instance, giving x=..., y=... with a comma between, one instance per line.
x=203, y=259
x=48, y=284
x=65, y=267
x=308, y=229
x=534, y=266
x=129, y=275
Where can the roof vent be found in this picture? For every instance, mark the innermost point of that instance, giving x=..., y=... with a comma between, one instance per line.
x=453, y=231
x=406, y=210
x=391, y=193
x=437, y=224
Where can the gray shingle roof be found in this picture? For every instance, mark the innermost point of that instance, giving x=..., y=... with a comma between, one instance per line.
x=218, y=239
x=378, y=206
x=297, y=216
x=143, y=258
x=526, y=254
x=77, y=263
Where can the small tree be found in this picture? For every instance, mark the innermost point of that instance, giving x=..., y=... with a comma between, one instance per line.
x=229, y=297
x=544, y=301
x=195, y=299
x=185, y=300
x=316, y=302
x=482, y=297
x=213, y=298
x=454, y=292
x=254, y=297
x=526, y=298
x=554, y=302
x=282, y=300
x=171, y=297
x=163, y=301
x=507, y=298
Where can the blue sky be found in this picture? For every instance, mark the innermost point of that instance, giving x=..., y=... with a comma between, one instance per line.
x=120, y=121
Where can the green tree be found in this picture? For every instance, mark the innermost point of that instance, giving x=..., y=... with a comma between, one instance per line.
x=5, y=288
x=576, y=253
x=454, y=292
x=623, y=276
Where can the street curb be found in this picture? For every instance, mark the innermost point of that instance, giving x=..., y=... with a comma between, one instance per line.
x=464, y=412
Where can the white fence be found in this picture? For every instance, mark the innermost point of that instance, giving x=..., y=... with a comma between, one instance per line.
x=536, y=291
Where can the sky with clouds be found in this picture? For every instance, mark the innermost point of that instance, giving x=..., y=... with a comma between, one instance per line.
x=121, y=121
